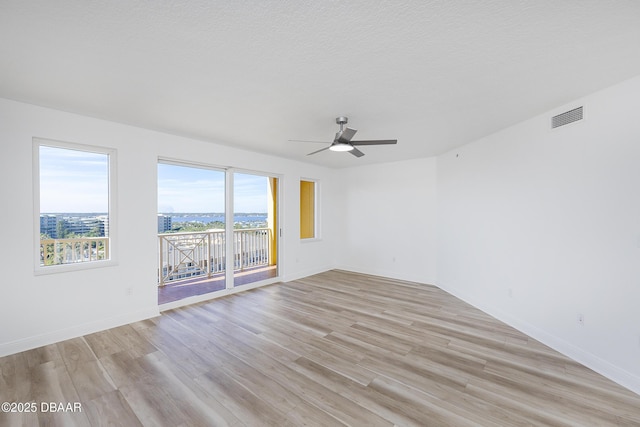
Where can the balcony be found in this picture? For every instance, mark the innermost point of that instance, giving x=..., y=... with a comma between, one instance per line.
x=203, y=254
x=74, y=250
x=192, y=263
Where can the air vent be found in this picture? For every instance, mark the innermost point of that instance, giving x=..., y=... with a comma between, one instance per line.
x=566, y=118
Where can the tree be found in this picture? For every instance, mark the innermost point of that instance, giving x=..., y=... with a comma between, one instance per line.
x=61, y=229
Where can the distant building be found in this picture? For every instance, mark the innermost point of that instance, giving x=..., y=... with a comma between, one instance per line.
x=164, y=223
x=105, y=224
x=85, y=225
x=49, y=225
x=52, y=225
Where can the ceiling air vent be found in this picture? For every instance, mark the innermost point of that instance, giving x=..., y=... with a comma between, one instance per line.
x=566, y=118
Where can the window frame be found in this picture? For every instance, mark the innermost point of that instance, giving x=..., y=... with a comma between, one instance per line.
x=111, y=154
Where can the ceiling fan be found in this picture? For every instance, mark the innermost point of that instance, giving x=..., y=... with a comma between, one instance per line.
x=343, y=142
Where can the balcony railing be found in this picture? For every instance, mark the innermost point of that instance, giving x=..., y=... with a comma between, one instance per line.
x=186, y=255
x=75, y=250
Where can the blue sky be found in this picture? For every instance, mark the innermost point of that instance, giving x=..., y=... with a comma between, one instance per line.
x=250, y=193
x=191, y=189
x=73, y=181
x=77, y=181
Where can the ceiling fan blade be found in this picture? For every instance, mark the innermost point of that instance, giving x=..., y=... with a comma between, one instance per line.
x=346, y=135
x=356, y=152
x=322, y=149
x=304, y=140
x=375, y=142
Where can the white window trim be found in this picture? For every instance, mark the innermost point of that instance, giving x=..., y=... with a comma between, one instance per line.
x=113, y=223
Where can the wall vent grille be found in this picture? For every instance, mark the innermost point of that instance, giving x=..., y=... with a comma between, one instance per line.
x=566, y=118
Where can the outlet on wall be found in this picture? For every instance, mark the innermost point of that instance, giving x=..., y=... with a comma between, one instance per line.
x=510, y=292
x=581, y=319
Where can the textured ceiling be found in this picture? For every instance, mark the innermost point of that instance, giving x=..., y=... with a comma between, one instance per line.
x=254, y=74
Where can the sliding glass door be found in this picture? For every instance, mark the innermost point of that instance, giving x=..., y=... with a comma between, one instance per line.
x=191, y=231
x=196, y=229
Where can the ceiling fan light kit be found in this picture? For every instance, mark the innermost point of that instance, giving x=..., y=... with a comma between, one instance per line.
x=339, y=146
x=343, y=140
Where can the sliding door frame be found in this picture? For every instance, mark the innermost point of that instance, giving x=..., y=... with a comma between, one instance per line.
x=229, y=224
x=278, y=229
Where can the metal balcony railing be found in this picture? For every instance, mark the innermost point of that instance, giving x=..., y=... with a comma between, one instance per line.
x=193, y=254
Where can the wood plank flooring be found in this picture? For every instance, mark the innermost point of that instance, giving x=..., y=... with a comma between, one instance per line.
x=332, y=349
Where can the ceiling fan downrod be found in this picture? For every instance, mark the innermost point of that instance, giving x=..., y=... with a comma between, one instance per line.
x=342, y=120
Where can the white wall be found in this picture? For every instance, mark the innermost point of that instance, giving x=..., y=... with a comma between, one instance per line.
x=389, y=220
x=537, y=226
x=37, y=310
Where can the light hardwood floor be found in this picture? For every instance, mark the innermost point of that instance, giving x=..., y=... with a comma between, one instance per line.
x=336, y=348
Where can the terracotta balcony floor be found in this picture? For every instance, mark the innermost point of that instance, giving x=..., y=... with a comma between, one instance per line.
x=180, y=289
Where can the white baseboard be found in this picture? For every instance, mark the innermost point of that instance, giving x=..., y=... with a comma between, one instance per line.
x=75, y=331
x=387, y=273
x=305, y=273
x=599, y=365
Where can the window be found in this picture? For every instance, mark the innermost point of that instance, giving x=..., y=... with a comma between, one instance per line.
x=73, y=205
x=307, y=209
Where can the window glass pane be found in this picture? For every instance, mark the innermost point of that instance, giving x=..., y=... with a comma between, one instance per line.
x=74, y=205
x=254, y=243
x=193, y=197
x=191, y=227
